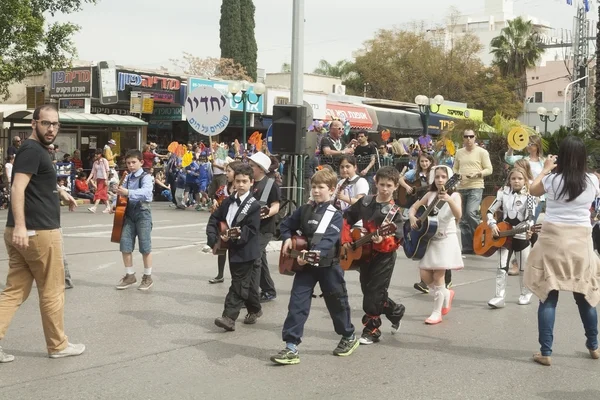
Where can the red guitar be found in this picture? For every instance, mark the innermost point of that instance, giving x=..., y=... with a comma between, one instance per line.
x=360, y=252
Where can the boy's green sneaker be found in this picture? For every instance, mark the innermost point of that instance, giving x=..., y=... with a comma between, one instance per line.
x=346, y=346
x=286, y=357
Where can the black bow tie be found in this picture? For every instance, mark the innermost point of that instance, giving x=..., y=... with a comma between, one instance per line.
x=238, y=201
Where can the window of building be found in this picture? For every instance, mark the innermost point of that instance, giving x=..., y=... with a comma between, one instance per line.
x=538, y=97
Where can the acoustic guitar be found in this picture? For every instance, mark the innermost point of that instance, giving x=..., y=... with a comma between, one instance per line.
x=485, y=243
x=220, y=248
x=288, y=262
x=119, y=218
x=417, y=240
x=406, y=200
x=358, y=251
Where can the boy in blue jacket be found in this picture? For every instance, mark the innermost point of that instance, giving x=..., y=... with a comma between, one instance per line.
x=321, y=224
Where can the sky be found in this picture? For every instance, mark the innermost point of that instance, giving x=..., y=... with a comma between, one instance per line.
x=149, y=33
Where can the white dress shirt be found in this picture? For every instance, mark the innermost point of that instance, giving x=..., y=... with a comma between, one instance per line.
x=233, y=208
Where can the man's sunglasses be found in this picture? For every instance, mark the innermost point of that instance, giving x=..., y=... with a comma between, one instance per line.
x=469, y=136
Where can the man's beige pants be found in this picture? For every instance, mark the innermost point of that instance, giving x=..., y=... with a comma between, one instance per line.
x=42, y=261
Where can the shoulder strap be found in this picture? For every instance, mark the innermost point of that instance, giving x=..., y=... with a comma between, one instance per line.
x=322, y=227
x=141, y=179
x=246, y=207
x=266, y=191
x=367, y=200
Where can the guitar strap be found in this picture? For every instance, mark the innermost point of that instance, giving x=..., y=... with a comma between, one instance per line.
x=530, y=211
x=323, y=224
x=389, y=218
x=245, y=208
x=266, y=192
x=438, y=207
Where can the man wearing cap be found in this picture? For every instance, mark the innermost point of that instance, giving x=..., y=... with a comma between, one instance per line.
x=108, y=154
x=266, y=191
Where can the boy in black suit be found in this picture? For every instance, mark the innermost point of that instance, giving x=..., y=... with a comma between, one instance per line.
x=242, y=211
x=321, y=224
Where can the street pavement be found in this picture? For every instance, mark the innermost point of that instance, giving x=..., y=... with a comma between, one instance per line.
x=162, y=344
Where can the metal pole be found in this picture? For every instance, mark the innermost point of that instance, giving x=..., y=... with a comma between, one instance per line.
x=244, y=120
x=565, y=94
x=297, y=88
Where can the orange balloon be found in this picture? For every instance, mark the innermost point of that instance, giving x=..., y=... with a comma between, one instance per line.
x=172, y=147
x=179, y=151
x=385, y=135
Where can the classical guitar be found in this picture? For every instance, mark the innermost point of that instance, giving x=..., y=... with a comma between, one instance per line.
x=417, y=240
x=119, y=218
x=288, y=262
x=358, y=251
x=337, y=203
x=221, y=246
x=485, y=243
x=406, y=200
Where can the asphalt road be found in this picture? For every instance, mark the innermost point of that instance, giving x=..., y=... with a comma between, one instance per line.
x=162, y=344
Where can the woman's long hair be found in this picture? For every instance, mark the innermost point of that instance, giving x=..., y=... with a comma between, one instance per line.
x=571, y=165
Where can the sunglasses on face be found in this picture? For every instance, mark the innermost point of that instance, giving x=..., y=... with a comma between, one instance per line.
x=469, y=136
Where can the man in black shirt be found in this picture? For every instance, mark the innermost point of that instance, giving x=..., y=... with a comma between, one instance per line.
x=16, y=143
x=334, y=144
x=366, y=156
x=33, y=239
x=267, y=192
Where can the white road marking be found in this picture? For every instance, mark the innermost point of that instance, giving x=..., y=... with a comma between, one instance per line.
x=102, y=234
x=103, y=225
x=103, y=266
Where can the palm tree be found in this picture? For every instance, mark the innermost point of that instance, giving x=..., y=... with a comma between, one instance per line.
x=340, y=69
x=516, y=50
x=286, y=67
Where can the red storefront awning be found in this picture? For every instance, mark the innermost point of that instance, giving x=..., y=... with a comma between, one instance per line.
x=357, y=115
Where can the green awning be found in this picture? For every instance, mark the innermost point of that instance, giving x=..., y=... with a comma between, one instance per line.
x=73, y=118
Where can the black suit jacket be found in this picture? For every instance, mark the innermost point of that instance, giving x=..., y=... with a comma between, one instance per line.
x=247, y=247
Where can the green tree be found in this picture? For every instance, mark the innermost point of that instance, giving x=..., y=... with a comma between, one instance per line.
x=517, y=49
x=340, y=69
x=222, y=68
x=27, y=44
x=230, y=29
x=286, y=67
x=249, y=50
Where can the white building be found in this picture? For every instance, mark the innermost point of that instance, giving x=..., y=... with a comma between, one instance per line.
x=489, y=25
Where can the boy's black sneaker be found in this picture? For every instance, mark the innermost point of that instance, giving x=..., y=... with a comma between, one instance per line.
x=265, y=297
x=421, y=287
x=346, y=346
x=286, y=357
x=367, y=339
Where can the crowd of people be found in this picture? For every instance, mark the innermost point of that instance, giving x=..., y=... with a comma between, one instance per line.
x=242, y=193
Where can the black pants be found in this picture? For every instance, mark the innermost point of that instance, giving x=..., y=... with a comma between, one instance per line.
x=221, y=260
x=375, y=280
x=243, y=290
x=172, y=182
x=332, y=283
x=266, y=282
x=596, y=237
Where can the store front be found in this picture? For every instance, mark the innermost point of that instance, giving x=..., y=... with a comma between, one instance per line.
x=87, y=132
x=357, y=115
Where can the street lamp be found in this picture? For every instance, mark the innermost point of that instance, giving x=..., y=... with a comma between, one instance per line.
x=234, y=88
x=546, y=116
x=425, y=107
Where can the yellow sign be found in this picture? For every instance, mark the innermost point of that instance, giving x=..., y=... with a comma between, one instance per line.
x=461, y=112
x=147, y=103
x=518, y=138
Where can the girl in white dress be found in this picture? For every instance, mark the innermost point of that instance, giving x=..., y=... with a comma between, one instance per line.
x=444, y=251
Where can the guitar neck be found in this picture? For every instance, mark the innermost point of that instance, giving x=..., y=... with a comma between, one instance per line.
x=295, y=253
x=429, y=209
x=366, y=239
x=513, y=232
